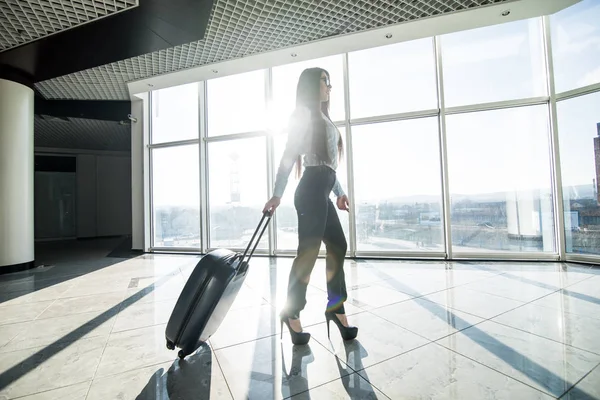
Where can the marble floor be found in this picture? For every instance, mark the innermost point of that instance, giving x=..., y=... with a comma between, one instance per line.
x=92, y=327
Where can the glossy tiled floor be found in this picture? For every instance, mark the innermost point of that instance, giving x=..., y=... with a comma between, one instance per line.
x=92, y=327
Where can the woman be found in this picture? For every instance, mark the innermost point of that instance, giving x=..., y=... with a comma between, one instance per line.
x=312, y=134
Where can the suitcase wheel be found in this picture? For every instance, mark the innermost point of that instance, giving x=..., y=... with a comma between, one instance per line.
x=170, y=345
x=181, y=354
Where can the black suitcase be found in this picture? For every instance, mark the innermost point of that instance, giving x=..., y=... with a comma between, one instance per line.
x=208, y=294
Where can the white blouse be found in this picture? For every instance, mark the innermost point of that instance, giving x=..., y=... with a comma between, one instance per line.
x=298, y=144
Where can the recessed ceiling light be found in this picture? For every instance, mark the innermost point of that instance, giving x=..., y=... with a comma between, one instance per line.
x=505, y=13
x=388, y=36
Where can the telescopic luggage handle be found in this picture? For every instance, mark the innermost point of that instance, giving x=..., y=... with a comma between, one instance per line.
x=265, y=217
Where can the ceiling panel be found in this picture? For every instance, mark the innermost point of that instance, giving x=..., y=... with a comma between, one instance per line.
x=23, y=21
x=241, y=28
x=83, y=134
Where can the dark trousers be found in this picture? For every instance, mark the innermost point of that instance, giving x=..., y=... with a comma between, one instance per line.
x=317, y=221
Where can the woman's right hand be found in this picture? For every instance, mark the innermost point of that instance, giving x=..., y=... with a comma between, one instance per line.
x=272, y=204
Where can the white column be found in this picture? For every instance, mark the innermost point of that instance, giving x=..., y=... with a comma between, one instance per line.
x=16, y=176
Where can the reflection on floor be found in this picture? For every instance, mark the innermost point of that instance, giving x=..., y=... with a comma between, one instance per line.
x=92, y=327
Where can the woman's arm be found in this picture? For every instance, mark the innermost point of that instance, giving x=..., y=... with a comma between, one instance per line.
x=337, y=188
x=297, y=130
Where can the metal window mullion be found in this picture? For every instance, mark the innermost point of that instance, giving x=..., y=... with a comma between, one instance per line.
x=173, y=144
x=497, y=105
x=443, y=147
x=203, y=165
x=394, y=117
x=272, y=231
x=556, y=176
x=582, y=91
x=349, y=158
x=150, y=182
x=147, y=174
x=234, y=136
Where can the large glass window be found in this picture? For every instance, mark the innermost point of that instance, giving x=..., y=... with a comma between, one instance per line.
x=576, y=45
x=175, y=113
x=287, y=220
x=499, y=161
x=579, y=138
x=236, y=103
x=398, y=186
x=237, y=190
x=500, y=180
x=495, y=63
x=176, y=196
x=392, y=79
x=285, y=81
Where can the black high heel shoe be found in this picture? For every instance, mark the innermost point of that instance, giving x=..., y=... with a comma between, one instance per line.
x=299, y=338
x=347, y=332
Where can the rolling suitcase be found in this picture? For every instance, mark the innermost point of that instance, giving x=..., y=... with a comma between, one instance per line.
x=208, y=294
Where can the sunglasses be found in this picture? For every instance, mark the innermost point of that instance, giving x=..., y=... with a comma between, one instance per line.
x=327, y=81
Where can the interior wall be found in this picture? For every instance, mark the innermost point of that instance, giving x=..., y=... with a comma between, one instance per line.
x=86, y=195
x=113, y=195
x=103, y=187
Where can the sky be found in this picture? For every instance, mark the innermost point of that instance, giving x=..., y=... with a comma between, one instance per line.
x=493, y=151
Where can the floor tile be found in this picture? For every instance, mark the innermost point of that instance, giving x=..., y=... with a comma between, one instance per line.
x=246, y=324
x=433, y=372
x=83, y=304
x=351, y=386
x=377, y=340
x=372, y=296
x=589, y=287
x=572, y=329
x=551, y=279
x=33, y=295
x=271, y=284
x=271, y=368
x=247, y=297
x=354, y=275
x=587, y=389
x=512, y=288
x=197, y=377
x=78, y=391
x=9, y=332
x=151, y=289
x=134, y=349
x=415, y=286
x=141, y=315
x=426, y=318
x=35, y=370
x=480, y=304
x=23, y=312
x=87, y=285
x=531, y=359
x=43, y=332
x=570, y=301
x=35, y=284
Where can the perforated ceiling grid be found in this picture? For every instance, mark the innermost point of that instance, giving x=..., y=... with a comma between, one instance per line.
x=86, y=134
x=22, y=21
x=240, y=28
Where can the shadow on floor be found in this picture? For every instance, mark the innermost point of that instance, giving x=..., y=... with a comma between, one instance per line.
x=185, y=380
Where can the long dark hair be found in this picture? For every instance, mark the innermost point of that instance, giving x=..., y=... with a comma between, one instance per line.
x=308, y=94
